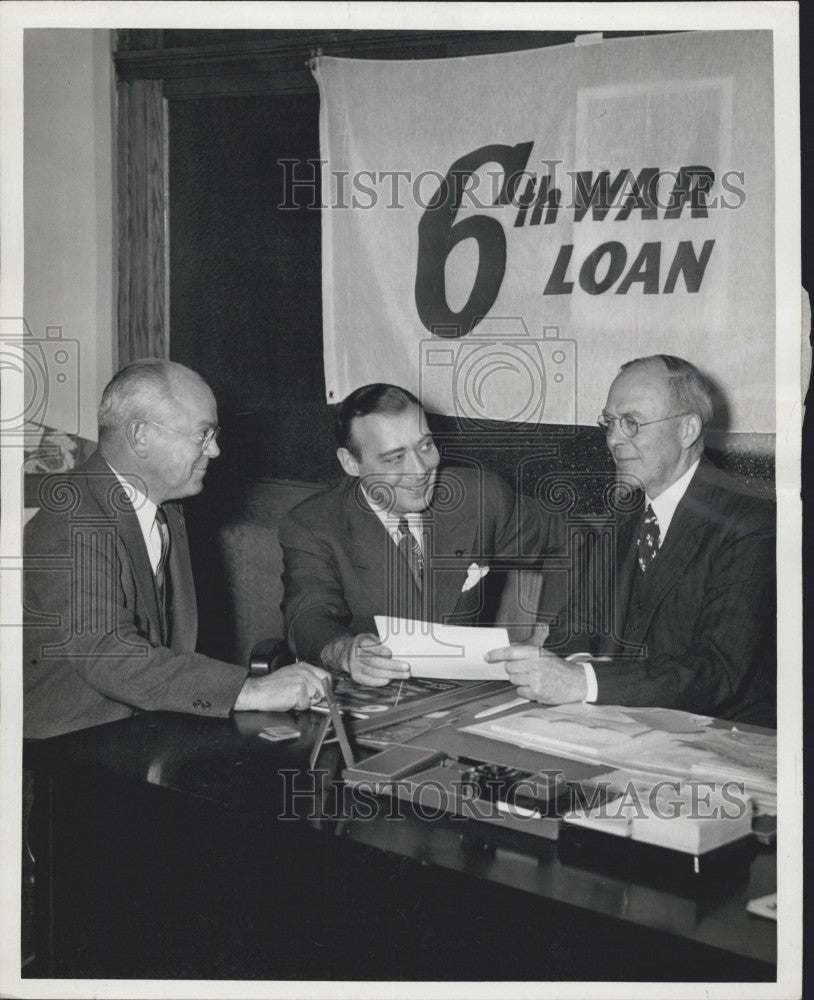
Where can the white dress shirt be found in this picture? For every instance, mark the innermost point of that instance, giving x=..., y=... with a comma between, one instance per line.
x=664, y=507
x=145, y=512
x=391, y=522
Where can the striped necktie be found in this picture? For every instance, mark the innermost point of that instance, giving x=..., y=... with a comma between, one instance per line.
x=411, y=551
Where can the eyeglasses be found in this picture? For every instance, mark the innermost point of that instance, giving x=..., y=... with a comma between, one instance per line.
x=630, y=425
x=203, y=438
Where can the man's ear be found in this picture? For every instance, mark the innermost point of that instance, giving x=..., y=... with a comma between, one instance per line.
x=347, y=461
x=692, y=429
x=137, y=437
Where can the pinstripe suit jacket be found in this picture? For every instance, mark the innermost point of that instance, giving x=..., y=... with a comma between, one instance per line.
x=92, y=639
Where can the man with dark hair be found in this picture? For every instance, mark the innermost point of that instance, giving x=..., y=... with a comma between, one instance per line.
x=378, y=397
x=111, y=622
x=400, y=536
x=689, y=601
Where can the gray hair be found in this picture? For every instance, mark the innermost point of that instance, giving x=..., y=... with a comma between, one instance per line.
x=139, y=391
x=689, y=389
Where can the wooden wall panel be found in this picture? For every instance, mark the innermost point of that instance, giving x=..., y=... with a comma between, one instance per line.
x=143, y=240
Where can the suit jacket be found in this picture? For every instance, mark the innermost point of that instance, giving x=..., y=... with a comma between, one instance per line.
x=92, y=638
x=340, y=563
x=698, y=631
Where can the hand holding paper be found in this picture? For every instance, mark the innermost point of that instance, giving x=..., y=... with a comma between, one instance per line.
x=367, y=660
x=540, y=675
x=434, y=650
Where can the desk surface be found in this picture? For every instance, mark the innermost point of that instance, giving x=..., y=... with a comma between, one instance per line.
x=224, y=763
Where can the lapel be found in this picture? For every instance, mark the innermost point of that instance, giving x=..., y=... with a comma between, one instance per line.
x=106, y=489
x=373, y=552
x=683, y=540
x=626, y=568
x=447, y=533
x=184, y=603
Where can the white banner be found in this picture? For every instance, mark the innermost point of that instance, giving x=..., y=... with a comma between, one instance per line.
x=501, y=232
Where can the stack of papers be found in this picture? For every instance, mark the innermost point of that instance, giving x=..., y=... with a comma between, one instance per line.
x=570, y=729
x=658, y=742
x=590, y=732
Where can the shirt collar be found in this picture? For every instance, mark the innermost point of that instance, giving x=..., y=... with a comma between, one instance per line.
x=143, y=506
x=391, y=521
x=665, y=504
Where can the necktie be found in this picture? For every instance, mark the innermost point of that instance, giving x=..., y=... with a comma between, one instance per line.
x=162, y=575
x=164, y=532
x=647, y=542
x=411, y=551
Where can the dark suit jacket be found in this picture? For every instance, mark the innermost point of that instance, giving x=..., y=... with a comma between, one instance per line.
x=699, y=631
x=339, y=560
x=92, y=639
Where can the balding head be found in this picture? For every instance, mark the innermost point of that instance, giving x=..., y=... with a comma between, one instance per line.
x=664, y=402
x=154, y=419
x=690, y=390
x=140, y=391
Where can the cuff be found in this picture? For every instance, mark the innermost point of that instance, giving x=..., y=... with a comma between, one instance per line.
x=590, y=675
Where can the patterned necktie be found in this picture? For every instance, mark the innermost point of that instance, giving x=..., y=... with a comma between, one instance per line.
x=162, y=575
x=411, y=551
x=647, y=542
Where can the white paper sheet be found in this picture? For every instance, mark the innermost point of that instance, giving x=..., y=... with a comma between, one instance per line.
x=579, y=731
x=434, y=650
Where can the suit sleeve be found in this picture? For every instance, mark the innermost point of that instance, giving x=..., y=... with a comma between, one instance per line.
x=81, y=631
x=314, y=606
x=524, y=531
x=571, y=632
x=731, y=658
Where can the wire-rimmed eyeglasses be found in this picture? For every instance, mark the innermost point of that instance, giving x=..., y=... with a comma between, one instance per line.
x=202, y=438
x=630, y=425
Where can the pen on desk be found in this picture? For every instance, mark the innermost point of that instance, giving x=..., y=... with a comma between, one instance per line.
x=398, y=693
x=444, y=722
x=500, y=708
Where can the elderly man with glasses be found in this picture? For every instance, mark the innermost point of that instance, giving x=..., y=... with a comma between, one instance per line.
x=683, y=613
x=110, y=616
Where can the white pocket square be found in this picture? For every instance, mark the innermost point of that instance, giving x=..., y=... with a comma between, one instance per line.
x=474, y=574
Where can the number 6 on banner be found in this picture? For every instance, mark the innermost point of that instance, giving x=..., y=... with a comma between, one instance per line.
x=439, y=234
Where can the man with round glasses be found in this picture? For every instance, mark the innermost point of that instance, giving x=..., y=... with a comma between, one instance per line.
x=110, y=614
x=684, y=615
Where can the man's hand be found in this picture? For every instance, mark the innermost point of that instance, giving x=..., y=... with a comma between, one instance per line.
x=366, y=659
x=540, y=675
x=298, y=686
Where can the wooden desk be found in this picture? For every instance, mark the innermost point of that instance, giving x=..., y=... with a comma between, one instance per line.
x=167, y=857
